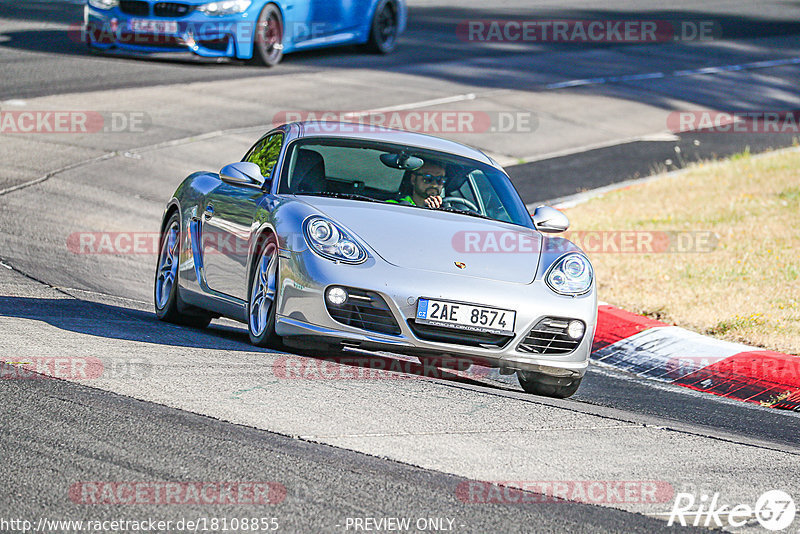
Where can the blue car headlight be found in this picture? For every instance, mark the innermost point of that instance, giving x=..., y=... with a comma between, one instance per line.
x=104, y=4
x=571, y=275
x=224, y=7
x=331, y=241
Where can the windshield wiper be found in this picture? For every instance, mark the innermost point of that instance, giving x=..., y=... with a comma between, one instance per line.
x=348, y=196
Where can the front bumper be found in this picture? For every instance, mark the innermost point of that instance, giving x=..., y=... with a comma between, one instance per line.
x=196, y=34
x=303, y=315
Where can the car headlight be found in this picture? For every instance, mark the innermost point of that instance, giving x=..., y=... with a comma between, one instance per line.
x=104, y=4
x=332, y=242
x=224, y=7
x=571, y=275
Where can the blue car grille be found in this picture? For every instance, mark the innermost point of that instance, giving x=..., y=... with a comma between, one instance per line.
x=172, y=10
x=549, y=336
x=134, y=7
x=366, y=310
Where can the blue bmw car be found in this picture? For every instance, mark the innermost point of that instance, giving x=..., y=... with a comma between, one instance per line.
x=260, y=31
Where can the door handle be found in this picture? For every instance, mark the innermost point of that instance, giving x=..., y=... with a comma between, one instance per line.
x=209, y=211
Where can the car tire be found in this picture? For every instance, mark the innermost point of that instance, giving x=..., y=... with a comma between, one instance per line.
x=166, y=293
x=268, y=45
x=384, y=29
x=262, y=292
x=548, y=386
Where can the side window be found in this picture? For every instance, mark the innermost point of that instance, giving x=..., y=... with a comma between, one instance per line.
x=488, y=198
x=466, y=191
x=265, y=154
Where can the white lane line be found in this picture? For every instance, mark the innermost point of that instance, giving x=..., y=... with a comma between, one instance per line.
x=648, y=76
x=678, y=73
x=667, y=352
x=135, y=152
x=576, y=83
x=416, y=105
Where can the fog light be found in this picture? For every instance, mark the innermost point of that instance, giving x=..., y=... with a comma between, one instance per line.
x=337, y=296
x=575, y=329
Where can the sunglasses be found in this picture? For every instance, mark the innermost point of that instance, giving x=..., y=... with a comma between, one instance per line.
x=430, y=178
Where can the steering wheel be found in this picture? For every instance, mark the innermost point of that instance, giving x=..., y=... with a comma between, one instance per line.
x=448, y=202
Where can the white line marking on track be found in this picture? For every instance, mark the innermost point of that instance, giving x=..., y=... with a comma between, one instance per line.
x=667, y=352
x=678, y=73
x=416, y=105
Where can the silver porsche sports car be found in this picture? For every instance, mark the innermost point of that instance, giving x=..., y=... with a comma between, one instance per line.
x=333, y=235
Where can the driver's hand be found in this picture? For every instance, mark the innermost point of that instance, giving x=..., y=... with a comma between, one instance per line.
x=434, y=201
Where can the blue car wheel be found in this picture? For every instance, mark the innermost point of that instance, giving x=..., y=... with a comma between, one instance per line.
x=268, y=45
x=385, y=28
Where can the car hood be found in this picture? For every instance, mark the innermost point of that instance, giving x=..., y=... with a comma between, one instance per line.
x=439, y=241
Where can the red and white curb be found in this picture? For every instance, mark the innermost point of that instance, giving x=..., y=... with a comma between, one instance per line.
x=654, y=350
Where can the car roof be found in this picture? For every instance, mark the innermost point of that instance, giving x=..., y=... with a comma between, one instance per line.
x=349, y=130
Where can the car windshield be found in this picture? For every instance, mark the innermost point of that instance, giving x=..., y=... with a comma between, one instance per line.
x=383, y=172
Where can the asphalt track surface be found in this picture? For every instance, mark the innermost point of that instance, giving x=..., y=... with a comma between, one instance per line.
x=325, y=485
x=45, y=52
x=56, y=432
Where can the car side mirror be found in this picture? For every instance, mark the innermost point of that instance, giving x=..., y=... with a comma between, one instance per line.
x=242, y=173
x=550, y=220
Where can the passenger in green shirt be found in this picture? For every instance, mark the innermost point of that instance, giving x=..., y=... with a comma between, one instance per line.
x=426, y=186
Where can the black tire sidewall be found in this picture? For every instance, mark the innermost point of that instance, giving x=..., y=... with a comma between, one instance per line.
x=268, y=337
x=375, y=44
x=259, y=54
x=170, y=310
x=545, y=386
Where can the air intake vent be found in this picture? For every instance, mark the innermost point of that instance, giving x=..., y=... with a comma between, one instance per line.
x=134, y=7
x=172, y=10
x=456, y=336
x=366, y=310
x=549, y=336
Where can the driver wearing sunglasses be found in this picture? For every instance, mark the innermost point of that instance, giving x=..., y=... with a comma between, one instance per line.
x=427, y=185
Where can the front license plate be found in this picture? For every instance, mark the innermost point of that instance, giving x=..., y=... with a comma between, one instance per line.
x=465, y=316
x=154, y=26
